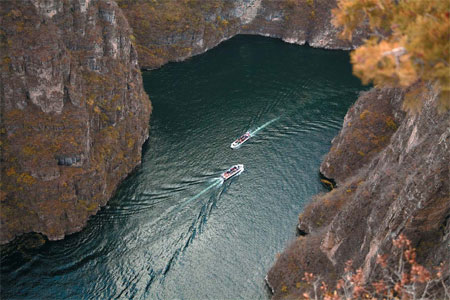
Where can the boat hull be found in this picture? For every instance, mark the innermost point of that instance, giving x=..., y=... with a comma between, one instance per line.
x=233, y=171
x=237, y=143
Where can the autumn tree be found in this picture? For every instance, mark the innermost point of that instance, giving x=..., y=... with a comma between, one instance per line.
x=399, y=278
x=408, y=44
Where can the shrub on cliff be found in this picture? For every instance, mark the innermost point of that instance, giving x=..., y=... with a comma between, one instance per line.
x=409, y=44
x=400, y=278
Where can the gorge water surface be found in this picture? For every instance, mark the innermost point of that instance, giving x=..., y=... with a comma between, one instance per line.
x=157, y=239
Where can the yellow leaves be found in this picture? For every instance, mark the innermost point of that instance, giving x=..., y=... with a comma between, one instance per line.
x=369, y=64
x=90, y=100
x=6, y=60
x=111, y=132
x=10, y=172
x=26, y=178
x=410, y=42
x=284, y=289
x=15, y=13
x=384, y=63
x=349, y=15
x=20, y=26
x=88, y=206
x=413, y=99
x=391, y=123
x=405, y=71
x=364, y=114
x=29, y=150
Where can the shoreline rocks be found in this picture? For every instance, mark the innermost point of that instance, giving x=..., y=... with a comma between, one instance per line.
x=399, y=186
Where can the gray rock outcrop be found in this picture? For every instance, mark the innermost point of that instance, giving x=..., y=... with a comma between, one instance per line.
x=73, y=112
x=397, y=186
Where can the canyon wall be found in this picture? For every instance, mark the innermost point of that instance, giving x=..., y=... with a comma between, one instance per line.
x=74, y=114
x=74, y=117
x=391, y=167
x=175, y=30
x=392, y=175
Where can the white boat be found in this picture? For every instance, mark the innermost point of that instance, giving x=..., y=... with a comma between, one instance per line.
x=237, y=143
x=233, y=171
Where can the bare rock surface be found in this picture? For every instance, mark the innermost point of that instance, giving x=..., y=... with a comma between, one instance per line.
x=175, y=30
x=74, y=114
x=400, y=185
x=367, y=129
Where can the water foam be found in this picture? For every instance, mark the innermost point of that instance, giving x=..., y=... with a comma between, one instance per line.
x=254, y=132
x=216, y=182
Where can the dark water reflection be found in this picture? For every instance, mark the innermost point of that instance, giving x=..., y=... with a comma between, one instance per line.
x=219, y=246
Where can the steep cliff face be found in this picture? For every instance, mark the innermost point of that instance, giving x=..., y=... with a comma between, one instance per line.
x=73, y=112
x=397, y=184
x=175, y=30
x=367, y=129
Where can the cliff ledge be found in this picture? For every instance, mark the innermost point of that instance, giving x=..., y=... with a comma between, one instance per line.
x=392, y=171
x=74, y=114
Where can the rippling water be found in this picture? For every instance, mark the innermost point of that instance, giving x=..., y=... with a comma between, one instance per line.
x=158, y=238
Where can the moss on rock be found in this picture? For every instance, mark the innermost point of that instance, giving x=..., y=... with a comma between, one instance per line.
x=65, y=144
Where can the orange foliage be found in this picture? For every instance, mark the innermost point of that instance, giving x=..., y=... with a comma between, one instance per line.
x=409, y=42
x=406, y=279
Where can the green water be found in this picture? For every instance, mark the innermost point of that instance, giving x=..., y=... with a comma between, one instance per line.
x=173, y=231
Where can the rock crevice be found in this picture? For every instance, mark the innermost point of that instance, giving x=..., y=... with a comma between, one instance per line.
x=200, y=25
x=398, y=184
x=73, y=113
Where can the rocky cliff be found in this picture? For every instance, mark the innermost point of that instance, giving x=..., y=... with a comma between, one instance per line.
x=392, y=174
x=74, y=114
x=175, y=30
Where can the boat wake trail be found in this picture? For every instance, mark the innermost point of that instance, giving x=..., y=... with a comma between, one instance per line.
x=186, y=238
x=254, y=132
x=216, y=182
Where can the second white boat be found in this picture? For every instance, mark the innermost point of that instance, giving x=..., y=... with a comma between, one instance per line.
x=237, y=143
x=233, y=171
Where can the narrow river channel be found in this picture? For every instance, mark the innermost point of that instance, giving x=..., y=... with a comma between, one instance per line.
x=172, y=230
